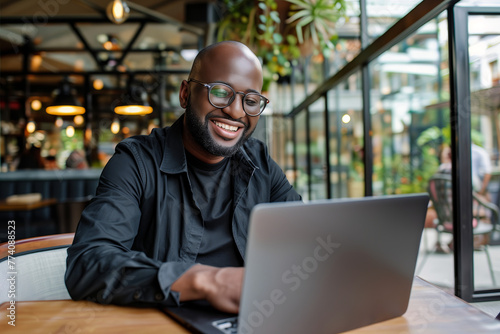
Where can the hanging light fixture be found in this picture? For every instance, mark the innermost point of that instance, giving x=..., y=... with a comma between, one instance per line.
x=65, y=103
x=117, y=11
x=134, y=102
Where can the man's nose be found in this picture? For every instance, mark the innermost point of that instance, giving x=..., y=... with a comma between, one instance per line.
x=235, y=109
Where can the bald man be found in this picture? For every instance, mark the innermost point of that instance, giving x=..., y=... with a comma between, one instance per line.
x=170, y=218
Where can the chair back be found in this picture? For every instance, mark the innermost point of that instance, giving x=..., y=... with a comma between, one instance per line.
x=36, y=269
x=484, y=213
x=440, y=193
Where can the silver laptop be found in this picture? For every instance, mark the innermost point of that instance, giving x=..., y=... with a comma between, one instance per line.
x=322, y=267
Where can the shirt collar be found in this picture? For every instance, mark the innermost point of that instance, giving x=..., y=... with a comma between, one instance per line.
x=174, y=159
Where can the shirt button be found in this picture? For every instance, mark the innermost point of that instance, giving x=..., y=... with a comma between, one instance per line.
x=158, y=296
x=137, y=294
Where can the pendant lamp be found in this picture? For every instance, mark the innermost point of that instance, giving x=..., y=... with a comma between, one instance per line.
x=65, y=103
x=134, y=102
x=118, y=11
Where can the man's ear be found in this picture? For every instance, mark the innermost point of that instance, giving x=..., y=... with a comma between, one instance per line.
x=184, y=94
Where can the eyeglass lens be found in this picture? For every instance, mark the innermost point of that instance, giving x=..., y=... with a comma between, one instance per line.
x=222, y=95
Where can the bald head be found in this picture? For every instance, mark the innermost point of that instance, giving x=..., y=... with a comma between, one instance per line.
x=226, y=56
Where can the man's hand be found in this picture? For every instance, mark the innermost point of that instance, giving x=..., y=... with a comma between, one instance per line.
x=221, y=287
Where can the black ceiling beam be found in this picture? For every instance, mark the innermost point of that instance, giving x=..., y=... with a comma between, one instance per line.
x=130, y=44
x=67, y=73
x=61, y=50
x=86, y=45
x=82, y=19
x=74, y=19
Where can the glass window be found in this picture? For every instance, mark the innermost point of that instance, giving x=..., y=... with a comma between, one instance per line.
x=308, y=74
x=349, y=26
x=346, y=49
x=346, y=139
x=405, y=81
x=280, y=144
x=484, y=55
x=318, y=150
x=383, y=14
x=411, y=132
x=302, y=177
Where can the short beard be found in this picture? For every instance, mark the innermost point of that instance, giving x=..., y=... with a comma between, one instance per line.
x=199, y=131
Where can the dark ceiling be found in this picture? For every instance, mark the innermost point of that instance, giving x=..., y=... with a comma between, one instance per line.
x=43, y=41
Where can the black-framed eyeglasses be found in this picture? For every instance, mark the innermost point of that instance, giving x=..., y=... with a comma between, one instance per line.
x=221, y=95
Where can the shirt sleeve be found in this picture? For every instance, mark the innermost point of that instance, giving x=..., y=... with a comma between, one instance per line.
x=101, y=265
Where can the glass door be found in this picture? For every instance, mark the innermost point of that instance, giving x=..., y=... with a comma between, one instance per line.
x=475, y=107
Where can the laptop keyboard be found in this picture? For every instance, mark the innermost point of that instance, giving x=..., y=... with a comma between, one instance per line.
x=227, y=326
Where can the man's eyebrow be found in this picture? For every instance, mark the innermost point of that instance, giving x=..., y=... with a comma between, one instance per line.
x=250, y=90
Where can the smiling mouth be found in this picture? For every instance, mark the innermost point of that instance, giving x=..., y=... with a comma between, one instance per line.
x=226, y=126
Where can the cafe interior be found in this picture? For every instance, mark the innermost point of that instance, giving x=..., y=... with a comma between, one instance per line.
x=367, y=98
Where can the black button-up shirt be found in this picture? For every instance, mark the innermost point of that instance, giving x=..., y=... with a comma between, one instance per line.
x=143, y=229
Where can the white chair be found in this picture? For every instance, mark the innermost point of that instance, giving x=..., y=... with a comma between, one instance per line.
x=39, y=265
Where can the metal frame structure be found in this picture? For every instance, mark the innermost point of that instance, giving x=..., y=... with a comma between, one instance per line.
x=459, y=117
x=421, y=14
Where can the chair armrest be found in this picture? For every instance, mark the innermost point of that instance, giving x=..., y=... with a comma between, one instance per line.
x=29, y=244
x=494, y=208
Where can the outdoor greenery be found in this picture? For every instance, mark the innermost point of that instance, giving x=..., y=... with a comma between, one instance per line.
x=430, y=143
x=281, y=31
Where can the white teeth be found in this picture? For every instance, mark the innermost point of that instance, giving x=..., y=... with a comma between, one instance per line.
x=227, y=127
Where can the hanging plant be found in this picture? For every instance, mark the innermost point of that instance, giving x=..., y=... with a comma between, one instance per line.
x=277, y=30
x=315, y=20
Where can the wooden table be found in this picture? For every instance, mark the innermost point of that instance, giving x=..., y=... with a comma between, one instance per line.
x=431, y=310
x=4, y=206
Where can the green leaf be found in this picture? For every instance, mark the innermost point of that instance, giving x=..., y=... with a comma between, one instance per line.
x=262, y=18
x=429, y=135
x=322, y=29
x=291, y=39
x=298, y=29
x=262, y=5
x=300, y=3
x=277, y=38
x=281, y=59
x=304, y=21
x=297, y=16
x=314, y=35
x=275, y=17
x=262, y=26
